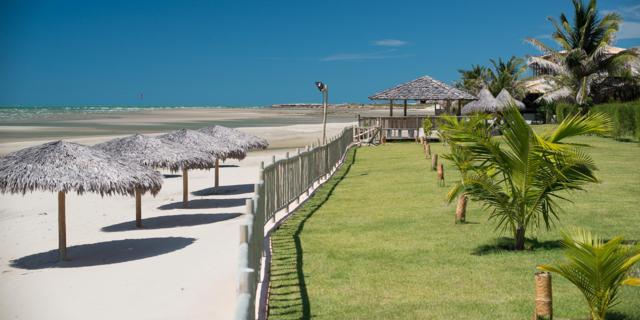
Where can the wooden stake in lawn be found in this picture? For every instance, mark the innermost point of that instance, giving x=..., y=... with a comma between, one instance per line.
x=544, y=299
x=427, y=150
x=434, y=162
x=461, y=209
x=384, y=139
x=440, y=175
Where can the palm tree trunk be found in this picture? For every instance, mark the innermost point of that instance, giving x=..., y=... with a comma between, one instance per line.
x=520, y=230
x=461, y=209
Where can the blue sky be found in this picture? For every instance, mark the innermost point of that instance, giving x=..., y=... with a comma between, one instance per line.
x=257, y=52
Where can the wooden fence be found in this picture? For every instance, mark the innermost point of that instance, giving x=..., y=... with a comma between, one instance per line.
x=280, y=183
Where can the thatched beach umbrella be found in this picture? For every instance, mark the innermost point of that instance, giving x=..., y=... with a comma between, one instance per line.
x=486, y=103
x=155, y=153
x=200, y=142
x=235, y=140
x=505, y=99
x=63, y=167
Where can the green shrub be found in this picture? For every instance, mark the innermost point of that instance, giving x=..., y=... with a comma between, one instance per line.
x=625, y=116
x=565, y=110
x=427, y=125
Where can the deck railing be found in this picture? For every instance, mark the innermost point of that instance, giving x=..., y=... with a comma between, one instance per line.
x=398, y=127
x=280, y=184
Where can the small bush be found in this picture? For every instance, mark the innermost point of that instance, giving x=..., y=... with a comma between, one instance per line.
x=625, y=116
x=565, y=110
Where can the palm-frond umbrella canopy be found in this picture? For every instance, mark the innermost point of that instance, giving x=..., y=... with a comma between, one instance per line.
x=486, y=103
x=244, y=140
x=234, y=139
x=198, y=141
x=63, y=167
x=155, y=153
x=505, y=99
x=423, y=88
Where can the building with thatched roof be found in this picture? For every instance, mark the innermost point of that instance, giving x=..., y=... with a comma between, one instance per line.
x=64, y=167
x=486, y=103
x=505, y=99
x=423, y=89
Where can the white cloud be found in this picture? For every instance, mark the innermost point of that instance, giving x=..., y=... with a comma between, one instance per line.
x=629, y=30
x=389, y=43
x=364, y=56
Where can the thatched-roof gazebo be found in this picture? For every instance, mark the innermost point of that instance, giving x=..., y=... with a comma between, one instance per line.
x=505, y=99
x=422, y=89
x=486, y=103
x=63, y=167
x=198, y=141
x=234, y=139
x=155, y=153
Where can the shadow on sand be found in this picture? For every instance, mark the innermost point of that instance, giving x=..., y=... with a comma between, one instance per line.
x=206, y=204
x=173, y=221
x=227, y=190
x=103, y=253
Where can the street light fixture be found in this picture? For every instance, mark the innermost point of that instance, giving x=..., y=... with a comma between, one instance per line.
x=325, y=96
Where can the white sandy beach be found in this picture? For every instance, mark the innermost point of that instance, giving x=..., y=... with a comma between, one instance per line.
x=181, y=265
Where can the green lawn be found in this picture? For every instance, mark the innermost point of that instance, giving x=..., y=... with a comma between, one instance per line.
x=378, y=241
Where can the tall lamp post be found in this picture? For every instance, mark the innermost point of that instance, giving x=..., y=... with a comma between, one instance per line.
x=325, y=96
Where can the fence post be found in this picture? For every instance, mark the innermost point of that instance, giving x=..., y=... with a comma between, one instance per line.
x=287, y=185
x=434, y=162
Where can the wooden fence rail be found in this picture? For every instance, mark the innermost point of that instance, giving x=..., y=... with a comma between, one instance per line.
x=280, y=183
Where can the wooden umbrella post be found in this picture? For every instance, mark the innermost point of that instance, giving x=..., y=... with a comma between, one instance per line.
x=217, y=180
x=138, y=208
x=185, y=188
x=62, y=227
x=544, y=299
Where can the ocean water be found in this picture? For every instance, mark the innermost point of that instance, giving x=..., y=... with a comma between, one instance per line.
x=28, y=113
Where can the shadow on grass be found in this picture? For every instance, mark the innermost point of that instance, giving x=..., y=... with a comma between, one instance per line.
x=288, y=297
x=505, y=244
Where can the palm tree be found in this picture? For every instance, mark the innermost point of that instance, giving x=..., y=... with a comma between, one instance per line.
x=596, y=268
x=473, y=80
x=506, y=75
x=522, y=181
x=584, y=61
x=462, y=159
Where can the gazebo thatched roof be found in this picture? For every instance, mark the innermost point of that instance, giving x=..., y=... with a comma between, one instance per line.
x=505, y=99
x=423, y=88
x=237, y=138
x=199, y=141
x=156, y=153
x=486, y=103
x=62, y=166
